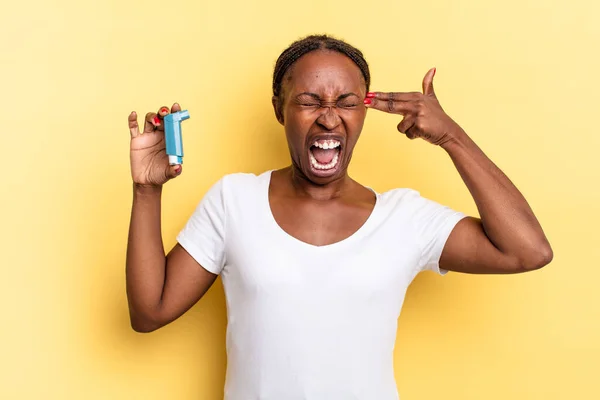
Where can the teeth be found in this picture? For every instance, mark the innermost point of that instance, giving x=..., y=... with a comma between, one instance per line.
x=316, y=164
x=327, y=144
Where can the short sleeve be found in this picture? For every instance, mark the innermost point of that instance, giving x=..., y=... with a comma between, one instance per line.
x=203, y=236
x=434, y=223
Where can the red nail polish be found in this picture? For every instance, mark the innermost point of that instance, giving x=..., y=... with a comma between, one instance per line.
x=367, y=101
x=178, y=169
x=371, y=94
x=164, y=110
x=156, y=121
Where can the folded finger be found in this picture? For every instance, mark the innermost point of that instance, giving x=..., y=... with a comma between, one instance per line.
x=152, y=123
x=162, y=113
x=412, y=133
x=164, y=110
x=406, y=124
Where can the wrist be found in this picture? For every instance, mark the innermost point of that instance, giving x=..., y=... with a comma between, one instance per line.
x=146, y=190
x=455, y=139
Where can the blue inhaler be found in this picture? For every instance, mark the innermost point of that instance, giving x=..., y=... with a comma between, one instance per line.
x=173, y=136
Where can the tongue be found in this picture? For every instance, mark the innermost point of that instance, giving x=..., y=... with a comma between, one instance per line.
x=323, y=156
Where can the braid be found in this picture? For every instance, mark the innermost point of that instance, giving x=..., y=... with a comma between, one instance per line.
x=312, y=43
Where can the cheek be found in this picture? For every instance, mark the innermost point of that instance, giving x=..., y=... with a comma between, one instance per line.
x=354, y=119
x=299, y=121
x=300, y=118
x=297, y=125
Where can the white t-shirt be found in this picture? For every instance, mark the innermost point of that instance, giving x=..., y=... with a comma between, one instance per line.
x=312, y=322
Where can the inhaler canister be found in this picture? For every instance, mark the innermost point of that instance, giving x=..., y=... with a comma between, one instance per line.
x=173, y=138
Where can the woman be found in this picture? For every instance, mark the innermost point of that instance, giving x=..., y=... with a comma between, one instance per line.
x=315, y=266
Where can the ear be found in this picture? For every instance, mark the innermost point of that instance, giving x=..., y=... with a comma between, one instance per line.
x=277, y=109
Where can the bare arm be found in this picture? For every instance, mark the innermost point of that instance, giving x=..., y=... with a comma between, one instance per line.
x=159, y=288
x=508, y=238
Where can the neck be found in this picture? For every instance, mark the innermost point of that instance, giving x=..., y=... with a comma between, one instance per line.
x=305, y=187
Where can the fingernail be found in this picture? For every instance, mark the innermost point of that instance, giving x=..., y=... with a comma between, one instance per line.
x=367, y=101
x=371, y=94
x=434, y=71
x=156, y=121
x=178, y=169
x=164, y=110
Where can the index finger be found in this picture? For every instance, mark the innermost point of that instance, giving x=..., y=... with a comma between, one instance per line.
x=396, y=96
x=175, y=108
x=391, y=106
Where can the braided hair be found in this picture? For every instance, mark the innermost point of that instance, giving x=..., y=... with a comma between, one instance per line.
x=312, y=43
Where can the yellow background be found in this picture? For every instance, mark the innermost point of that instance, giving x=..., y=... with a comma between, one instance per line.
x=521, y=76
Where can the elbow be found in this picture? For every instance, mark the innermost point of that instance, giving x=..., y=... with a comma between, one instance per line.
x=537, y=258
x=143, y=323
x=143, y=327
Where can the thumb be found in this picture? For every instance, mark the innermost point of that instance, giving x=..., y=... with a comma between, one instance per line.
x=428, y=83
x=175, y=171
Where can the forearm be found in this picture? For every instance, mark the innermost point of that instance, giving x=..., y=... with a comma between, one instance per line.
x=146, y=261
x=507, y=219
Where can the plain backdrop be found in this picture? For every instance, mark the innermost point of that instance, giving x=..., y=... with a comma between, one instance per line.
x=521, y=77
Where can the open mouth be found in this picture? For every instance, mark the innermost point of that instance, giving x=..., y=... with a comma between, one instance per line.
x=324, y=156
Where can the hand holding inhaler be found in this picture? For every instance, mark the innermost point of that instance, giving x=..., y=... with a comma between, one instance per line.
x=156, y=153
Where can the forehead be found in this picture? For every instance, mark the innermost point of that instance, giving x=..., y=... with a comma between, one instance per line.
x=325, y=71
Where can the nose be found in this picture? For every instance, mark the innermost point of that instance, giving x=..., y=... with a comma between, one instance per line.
x=329, y=118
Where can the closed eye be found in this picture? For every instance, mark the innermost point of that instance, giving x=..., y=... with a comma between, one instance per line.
x=348, y=100
x=347, y=104
x=312, y=100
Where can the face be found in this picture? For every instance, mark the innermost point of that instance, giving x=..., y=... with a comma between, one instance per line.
x=323, y=114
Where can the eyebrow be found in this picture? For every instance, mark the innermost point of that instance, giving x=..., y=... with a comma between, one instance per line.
x=317, y=97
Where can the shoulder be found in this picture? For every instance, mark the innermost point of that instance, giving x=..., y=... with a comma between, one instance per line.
x=398, y=206
x=240, y=187
x=400, y=197
x=242, y=182
x=231, y=192
x=409, y=203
